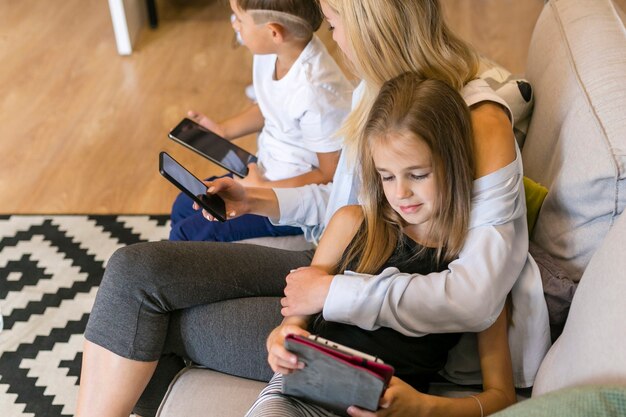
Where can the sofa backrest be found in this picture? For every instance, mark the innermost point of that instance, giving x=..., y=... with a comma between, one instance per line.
x=576, y=142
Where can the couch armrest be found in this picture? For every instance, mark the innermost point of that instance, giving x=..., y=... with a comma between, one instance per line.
x=592, y=347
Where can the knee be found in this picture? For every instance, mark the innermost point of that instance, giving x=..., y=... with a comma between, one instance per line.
x=134, y=267
x=177, y=233
x=196, y=228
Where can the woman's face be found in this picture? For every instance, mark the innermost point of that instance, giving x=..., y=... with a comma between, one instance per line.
x=335, y=25
x=404, y=163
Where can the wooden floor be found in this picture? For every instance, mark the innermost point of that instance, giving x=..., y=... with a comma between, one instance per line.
x=81, y=127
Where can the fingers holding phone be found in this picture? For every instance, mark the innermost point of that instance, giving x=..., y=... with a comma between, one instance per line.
x=233, y=193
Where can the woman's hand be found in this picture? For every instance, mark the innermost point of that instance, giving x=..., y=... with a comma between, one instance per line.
x=235, y=197
x=400, y=400
x=279, y=358
x=306, y=291
x=202, y=120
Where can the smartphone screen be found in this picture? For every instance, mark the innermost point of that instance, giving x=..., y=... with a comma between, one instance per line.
x=192, y=186
x=213, y=147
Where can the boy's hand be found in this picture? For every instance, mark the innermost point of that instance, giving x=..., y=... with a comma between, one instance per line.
x=202, y=120
x=279, y=358
x=254, y=177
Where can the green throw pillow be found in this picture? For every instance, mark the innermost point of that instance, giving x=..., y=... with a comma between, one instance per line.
x=535, y=194
x=586, y=401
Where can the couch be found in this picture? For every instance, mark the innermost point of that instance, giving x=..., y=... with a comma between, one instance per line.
x=576, y=147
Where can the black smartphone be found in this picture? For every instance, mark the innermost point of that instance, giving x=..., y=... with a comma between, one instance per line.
x=192, y=186
x=213, y=147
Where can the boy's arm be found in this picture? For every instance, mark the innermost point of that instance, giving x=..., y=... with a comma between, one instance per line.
x=249, y=121
x=321, y=175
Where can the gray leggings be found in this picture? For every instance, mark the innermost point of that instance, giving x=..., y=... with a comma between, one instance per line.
x=211, y=303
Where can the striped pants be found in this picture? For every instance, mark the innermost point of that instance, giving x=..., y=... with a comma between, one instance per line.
x=272, y=403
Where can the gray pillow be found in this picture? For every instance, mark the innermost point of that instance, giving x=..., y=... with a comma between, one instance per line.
x=558, y=288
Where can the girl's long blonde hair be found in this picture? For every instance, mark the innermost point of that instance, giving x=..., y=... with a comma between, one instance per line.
x=435, y=113
x=391, y=37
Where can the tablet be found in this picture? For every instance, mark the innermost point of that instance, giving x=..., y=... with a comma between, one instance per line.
x=334, y=376
x=192, y=186
x=213, y=147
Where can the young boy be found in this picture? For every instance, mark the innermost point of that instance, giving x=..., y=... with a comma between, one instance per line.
x=302, y=99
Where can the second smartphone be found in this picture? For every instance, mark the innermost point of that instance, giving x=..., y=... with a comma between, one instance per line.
x=213, y=147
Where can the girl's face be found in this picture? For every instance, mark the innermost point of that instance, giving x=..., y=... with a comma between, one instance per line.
x=255, y=37
x=404, y=163
x=335, y=25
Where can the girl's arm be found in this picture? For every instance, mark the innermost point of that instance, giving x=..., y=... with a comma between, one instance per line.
x=341, y=229
x=320, y=175
x=402, y=400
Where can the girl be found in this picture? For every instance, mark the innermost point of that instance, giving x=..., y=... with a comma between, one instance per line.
x=417, y=172
x=180, y=299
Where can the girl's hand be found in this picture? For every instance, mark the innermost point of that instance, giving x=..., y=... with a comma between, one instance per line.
x=254, y=177
x=234, y=195
x=202, y=120
x=306, y=291
x=400, y=400
x=279, y=358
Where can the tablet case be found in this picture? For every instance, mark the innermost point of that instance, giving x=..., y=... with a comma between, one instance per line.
x=333, y=379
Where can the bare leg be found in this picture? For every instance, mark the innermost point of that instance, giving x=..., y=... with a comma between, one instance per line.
x=110, y=385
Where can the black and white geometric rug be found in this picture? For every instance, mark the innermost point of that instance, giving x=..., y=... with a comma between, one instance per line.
x=50, y=269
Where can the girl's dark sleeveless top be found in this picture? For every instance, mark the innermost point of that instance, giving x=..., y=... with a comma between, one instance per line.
x=416, y=359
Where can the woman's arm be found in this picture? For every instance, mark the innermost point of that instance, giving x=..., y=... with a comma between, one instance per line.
x=319, y=175
x=494, y=142
x=401, y=400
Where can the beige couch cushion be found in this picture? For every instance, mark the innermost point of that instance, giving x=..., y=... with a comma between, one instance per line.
x=202, y=392
x=592, y=348
x=576, y=143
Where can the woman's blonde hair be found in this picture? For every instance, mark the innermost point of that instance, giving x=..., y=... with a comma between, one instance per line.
x=391, y=37
x=435, y=113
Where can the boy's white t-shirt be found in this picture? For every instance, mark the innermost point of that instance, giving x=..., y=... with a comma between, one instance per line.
x=302, y=111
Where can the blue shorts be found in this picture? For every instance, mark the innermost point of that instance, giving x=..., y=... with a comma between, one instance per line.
x=189, y=225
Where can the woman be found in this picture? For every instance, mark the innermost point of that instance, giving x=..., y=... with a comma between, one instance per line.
x=166, y=293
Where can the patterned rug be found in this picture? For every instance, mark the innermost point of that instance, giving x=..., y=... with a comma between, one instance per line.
x=50, y=269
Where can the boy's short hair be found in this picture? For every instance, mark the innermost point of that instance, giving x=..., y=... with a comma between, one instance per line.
x=305, y=11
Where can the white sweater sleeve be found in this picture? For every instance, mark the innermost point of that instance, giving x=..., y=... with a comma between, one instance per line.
x=304, y=207
x=467, y=297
